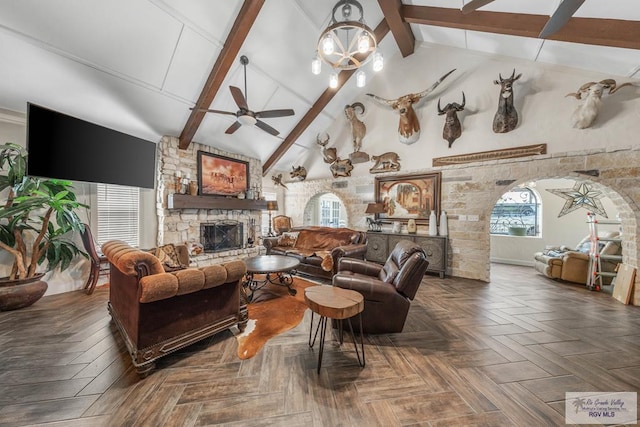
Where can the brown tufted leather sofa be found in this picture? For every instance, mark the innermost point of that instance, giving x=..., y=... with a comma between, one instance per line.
x=318, y=248
x=388, y=288
x=159, y=312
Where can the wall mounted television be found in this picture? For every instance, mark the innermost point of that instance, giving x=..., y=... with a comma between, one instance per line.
x=64, y=147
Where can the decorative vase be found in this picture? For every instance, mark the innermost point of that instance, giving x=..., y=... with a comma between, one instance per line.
x=397, y=227
x=433, y=224
x=444, y=227
x=193, y=188
x=411, y=226
x=15, y=294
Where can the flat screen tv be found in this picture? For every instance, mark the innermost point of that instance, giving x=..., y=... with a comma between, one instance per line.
x=64, y=147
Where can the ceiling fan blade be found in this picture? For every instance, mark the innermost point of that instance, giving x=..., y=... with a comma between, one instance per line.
x=238, y=97
x=265, y=127
x=234, y=127
x=214, y=111
x=274, y=113
x=563, y=13
x=473, y=5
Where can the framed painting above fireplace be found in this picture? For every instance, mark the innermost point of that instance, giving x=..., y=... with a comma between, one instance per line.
x=221, y=176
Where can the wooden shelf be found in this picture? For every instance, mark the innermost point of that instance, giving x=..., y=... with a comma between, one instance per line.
x=185, y=201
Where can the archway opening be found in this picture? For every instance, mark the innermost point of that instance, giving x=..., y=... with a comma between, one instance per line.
x=563, y=221
x=325, y=209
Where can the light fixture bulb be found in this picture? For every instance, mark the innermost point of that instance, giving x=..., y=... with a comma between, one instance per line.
x=247, y=120
x=378, y=62
x=333, y=80
x=316, y=66
x=327, y=45
x=364, y=42
x=361, y=78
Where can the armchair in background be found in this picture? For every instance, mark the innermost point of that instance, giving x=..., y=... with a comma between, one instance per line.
x=281, y=224
x=572, y=264
x=387, y=289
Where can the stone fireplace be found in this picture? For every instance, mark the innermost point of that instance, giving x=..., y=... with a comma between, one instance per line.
x=227, y=229
x=221, y=236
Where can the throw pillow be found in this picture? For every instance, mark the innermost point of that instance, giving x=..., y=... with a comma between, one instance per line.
x=168, y=256
x=287, y=239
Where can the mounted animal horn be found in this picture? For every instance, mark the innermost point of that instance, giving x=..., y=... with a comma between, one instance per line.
x=452, y=127
x=409, y=126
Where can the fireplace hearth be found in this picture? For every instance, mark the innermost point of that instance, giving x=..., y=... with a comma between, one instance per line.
x=221, y=236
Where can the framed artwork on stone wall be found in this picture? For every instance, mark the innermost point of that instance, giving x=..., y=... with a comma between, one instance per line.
x=221, y=176
x=408, y=197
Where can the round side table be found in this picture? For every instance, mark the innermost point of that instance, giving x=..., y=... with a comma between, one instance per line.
x=334, y=303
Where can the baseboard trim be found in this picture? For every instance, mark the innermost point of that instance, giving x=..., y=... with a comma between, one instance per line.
x=512, y=262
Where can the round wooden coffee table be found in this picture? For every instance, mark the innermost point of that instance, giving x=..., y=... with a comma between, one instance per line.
x=334, y=303
x=277, y=269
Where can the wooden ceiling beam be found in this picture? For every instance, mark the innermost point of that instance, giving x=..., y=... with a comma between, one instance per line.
x=595, y=31
x=399, y=28
x=380, y=32
x=236, y=37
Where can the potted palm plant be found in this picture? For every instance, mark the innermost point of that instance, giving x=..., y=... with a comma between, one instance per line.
x=36, y=222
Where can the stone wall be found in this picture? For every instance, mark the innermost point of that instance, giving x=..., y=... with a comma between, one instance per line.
x=183, y=225
x=473, y=189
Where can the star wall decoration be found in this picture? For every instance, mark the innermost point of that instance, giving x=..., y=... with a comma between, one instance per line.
x=582, y=195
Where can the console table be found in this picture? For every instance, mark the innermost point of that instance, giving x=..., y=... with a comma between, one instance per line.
x=380, y=244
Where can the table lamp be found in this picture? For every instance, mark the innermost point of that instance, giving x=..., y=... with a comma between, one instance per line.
x=272, y=205
x=374, y=208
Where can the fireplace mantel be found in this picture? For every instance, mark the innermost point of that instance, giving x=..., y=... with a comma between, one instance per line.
x=185, y=201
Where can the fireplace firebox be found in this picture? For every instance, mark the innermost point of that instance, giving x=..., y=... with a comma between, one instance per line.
x=221, y=236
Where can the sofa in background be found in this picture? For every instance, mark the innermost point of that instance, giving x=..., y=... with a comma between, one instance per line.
x=318, y=248
x=572, y=264
x=159, y=312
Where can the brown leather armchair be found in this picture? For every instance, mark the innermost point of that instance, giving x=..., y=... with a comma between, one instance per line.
x=388, y=288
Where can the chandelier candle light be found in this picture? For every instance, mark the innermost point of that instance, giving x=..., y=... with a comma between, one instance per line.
x=347, y=44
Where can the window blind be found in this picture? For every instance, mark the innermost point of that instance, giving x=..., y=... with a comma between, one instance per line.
x=118, y=214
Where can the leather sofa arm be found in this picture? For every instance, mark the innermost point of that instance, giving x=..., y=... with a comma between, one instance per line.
x=269, y=242
x=350, y=251
x=359, y=266
x=371, y=288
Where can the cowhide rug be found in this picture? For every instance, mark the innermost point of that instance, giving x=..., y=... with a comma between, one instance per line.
x=272, y=312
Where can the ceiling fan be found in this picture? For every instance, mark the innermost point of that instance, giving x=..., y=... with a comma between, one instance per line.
x=244, y=115
x=563, y=13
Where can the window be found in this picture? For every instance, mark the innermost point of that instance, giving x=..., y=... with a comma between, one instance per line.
x=118, y=214
x=517, y=213
x=329, y=211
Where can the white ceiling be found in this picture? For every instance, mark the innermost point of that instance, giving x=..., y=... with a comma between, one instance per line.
x=137, y=66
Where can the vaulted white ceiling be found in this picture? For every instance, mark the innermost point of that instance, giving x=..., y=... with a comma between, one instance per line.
x=137, y=66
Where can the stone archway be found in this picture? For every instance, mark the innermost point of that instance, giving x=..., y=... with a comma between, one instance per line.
x=311, y=207
x=473, y=191
x=556, y=228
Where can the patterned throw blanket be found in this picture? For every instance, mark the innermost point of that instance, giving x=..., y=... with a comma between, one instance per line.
x=317, y=241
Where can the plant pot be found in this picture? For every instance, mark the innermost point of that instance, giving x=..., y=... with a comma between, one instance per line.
x=517, y=231
x=15, y=294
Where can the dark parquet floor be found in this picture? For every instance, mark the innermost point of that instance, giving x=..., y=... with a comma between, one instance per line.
x=484, y=354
